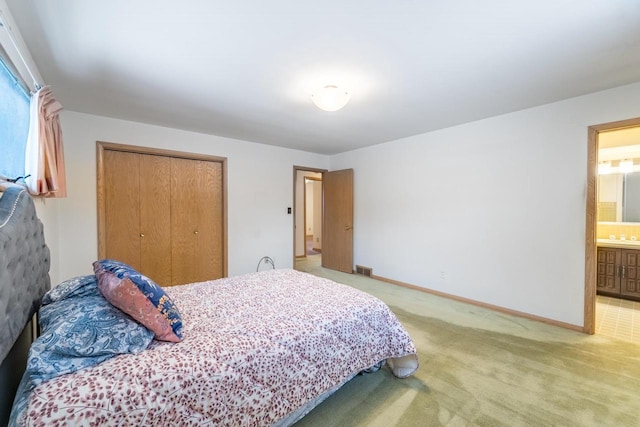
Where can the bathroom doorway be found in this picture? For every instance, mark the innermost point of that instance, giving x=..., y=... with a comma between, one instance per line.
x=611, y=147
x=308, y=221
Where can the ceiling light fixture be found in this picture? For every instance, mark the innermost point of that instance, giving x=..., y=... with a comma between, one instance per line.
x=330, y=98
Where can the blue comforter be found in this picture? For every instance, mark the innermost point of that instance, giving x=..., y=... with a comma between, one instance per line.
x=80, y=329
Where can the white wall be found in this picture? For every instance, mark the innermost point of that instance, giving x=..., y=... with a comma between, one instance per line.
x=317, y=214
x=309, y=199
x=260, y=189
x=492, y=210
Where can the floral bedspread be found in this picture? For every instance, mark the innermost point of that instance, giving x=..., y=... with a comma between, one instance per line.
x=256, y=348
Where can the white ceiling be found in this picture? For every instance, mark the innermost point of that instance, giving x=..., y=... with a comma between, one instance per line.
x=244, y=69
x=619, y=144
x=619, y=138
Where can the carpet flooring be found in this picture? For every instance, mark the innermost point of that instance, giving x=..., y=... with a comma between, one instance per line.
x=309, y=246
x=479, y=367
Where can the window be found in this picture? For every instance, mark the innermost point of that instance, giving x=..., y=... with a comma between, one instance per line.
x=14, y=123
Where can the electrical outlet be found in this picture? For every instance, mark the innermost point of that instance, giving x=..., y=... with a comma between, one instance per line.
x=443, y=275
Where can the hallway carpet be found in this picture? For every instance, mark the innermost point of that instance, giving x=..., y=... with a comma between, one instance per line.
x=479, y=367
x=309, y=246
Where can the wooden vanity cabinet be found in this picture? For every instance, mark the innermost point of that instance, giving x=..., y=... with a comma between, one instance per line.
x=608, y=280
x=618, y=273
x=630, y=280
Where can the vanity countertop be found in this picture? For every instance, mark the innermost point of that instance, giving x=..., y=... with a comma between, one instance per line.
x=609, y=243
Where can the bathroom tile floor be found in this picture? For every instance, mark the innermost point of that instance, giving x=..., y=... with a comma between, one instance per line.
x=618, y=318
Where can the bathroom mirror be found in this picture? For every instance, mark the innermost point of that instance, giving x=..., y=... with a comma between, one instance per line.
x=619, y=197
x=619, y=192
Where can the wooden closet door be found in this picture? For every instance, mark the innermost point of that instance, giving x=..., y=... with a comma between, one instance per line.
x=162, y=212
x=184, y=221
x=155, y=218
x=210, y=237
x=121, y=193
x=196, y=221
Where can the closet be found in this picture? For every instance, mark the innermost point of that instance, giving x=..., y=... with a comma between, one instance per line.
x=162, y=212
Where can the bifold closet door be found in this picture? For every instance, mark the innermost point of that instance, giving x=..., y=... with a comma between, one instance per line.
x=122, y=207
x=155, y=218
x=163, y=215
x=196, y=221
x=138, y=212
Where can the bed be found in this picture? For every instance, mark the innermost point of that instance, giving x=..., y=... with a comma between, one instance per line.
x=257, y=349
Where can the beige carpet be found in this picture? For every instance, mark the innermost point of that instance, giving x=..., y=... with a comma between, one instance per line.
x=480, y=367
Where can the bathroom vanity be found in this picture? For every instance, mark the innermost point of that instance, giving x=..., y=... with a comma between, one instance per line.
x=618, y=273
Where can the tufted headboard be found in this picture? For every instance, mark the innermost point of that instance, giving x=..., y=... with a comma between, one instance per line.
x=24, y=278
x=24, y=265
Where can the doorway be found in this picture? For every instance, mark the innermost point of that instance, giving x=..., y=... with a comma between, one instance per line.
x=602, y=314
x=336, y=235
x=308, y=215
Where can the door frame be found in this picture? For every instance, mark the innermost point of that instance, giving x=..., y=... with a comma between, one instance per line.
x=591, y=219
x=102, y=146
x=293, y=219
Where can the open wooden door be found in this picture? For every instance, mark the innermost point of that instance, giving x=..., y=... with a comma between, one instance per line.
x=337, y=229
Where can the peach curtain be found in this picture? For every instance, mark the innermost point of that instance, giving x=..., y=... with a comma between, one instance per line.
x=44, y=159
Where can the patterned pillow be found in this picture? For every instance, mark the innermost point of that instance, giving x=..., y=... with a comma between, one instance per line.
x=139, y=297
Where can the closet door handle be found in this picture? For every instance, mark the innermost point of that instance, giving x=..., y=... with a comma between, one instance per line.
x=624, y=271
